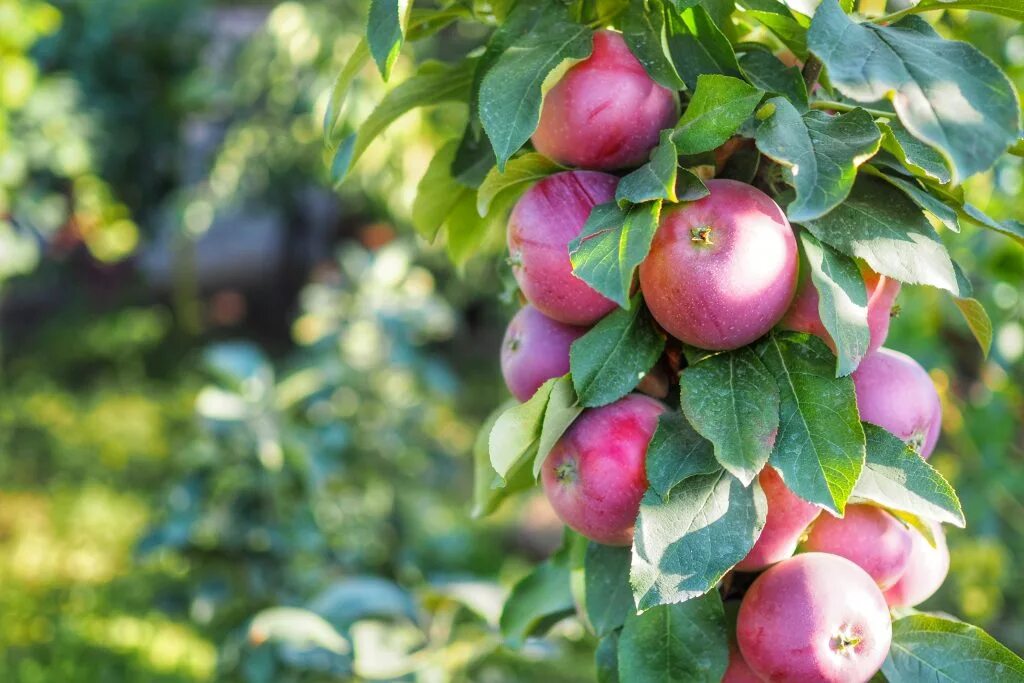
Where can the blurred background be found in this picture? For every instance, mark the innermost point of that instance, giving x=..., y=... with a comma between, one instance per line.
x=238, y=407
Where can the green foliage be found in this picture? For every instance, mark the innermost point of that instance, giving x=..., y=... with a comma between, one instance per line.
x=719, y=106
x=925, y=646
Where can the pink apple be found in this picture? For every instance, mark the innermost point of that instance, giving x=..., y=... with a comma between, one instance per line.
x=535, y=349
x=738, y=671
x=722, y=270
x=925, y=571
x=814, y=618
x=788, y=518
x=545, y=219
x=896, y=393
x=595, y=475
x=605, y=113
x=869, y=537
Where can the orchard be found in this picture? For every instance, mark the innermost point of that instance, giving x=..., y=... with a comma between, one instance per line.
x=707, y=211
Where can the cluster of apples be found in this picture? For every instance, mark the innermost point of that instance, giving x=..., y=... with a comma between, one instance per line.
x=722, y=272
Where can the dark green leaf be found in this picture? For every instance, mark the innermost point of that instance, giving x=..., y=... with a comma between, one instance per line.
x=698, y=46
x=764, y=70
x=518, y=175
x=930, y=648
x=719, y=106
x=654, y=180
x=611, y=245
x=686, y=642
x=606, y=659
x=537, y=602
x=789, y=26
x=609, y=598
x=683, y=546
x=879, y=224
x=842, y=302
x=731, y=400
x=898, y=478
x=918, y=157
x=645, y=33
x=610, y=360
x=927, y=202
x=1010, y=228
x=676, y=452
x=820, y=447
x=822, y=152
x=385, y=32
x=947, y=93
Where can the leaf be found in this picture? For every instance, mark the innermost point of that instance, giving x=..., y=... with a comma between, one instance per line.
x=719, y=106
x=898, y=478
x=512, y=91
x=820, y=447
x=822, y=152
x=768, y=73
x=947, y=93
x=609, y=360
x=297, y=627
x=654, y=180
x=698, y=46
x=918, y=157
x=790, y=27
x=606, y=658
x=488, y=491
x=977, y=321
x=340, y=88
x=879, y=224
x=516, y=434
x=467, y=232
x=385, y=32
x=609, y=598
x=611, y=245
x=538, y=601
x=842, y=302
x=1010, y=228
x=927, y=202
x=732, y=401
x=561, y=411
x=683, y=546
x=437, y=194
x=686, y=642
x=676, y=452
x=433, y=83
x=930, y=648
x=519, y=173
x=645, y=33
x=1005, y=8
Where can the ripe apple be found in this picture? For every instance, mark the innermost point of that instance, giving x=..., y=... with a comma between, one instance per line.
x=535, y=349
x=869, y=537
x=925, y=571
x=788, y=518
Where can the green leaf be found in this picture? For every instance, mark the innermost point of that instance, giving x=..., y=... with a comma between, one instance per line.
x=676, y=452
x=879, y=224
x=609, y=598
x=930, y=648
x=820, y=446
x=921, y=159
x=516, y=434
x=518, y=175
x=488, y=491
x=732, y=401
x=468, y=233
x=1010, y=228
x=977, y=321
x=683, y=546
x=698, y=46
x=561, y=411
x=297, y=627
x=537, y=602
x=340, y=88
x=512, y=91
x=789, y=26
x=842, y=302
x=610, y=360
x=611, y=245
x=947, y=93
x=433, y=83
x=686, y=642
x=654, y=180
x=646, y=35
x=926, y=201
x=768, y=73
x=898, y=478
x=437, y=194
x=719, y=106
x=1005, y=8
x=606, y=658
x=385, y=32
x=822, y=152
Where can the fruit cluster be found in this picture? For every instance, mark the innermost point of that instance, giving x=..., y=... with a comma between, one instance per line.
x=722, y=271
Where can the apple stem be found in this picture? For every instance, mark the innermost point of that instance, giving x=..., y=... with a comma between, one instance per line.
x=701, y=235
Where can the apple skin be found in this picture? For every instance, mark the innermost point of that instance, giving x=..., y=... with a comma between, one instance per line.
x=722, y=270
x=869, y=537
x=925, y=571
x=544, y=221
x=814, y=618
x=803, y=316
x=788, y=518
x=738, y=671
x=896, y=393
x=605, y=113
x=535, y=349
x=596, y=474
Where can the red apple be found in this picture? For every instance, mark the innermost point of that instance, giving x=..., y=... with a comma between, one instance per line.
x=738, y=671
x=788, y=518
x=535, y=349
x=869, y=537
x=925, y=572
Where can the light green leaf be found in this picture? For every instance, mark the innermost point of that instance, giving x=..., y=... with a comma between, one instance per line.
x=643, y=28
x=518, y=175
x=437, y=194
x=537, y=602
x=898, y=478
x=561, y=411
x=1005, y=8
x=385, y=32
x=516, y=434
x=609, y=598
x=488, y=491
x=977, y=321
x=822, y=152
x=654, y=180
x=930, y=648
x=946, y=214
x=297, y=627
x=676, y=452
x=687, y=642
x=820, y=446
x=919, y=158
x=610, y=360
x=698, y=46
x=340, y=88
x=731, y=400
x=719, y=106
x=946, y=93
x=1011, y=228
x=788, y=25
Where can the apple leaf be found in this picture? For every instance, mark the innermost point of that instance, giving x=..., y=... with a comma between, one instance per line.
x=1005, y=8
x=676, y=451
x=930, y=648
x=519, y=173
x=437, y=194
x=385, y=32
x=608, y=598
x=646, y=35
x=719, y=106
x=488, y=488
x=339, y=90
x=977, y=320
x=919, y=158
x=606, y=658
x=561, y=411
x=764, y=70
x=946, y=214
x=698, y=46
x=788, y=25
x=539, y=600
x=654, y=180
x=1010, y=228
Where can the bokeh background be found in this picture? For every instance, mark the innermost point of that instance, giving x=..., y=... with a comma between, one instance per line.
x=233, y=398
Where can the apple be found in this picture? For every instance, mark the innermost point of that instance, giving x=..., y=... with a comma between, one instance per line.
x=925, y=572
x=535, y=349
x=869, y=537
x=788, y=518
